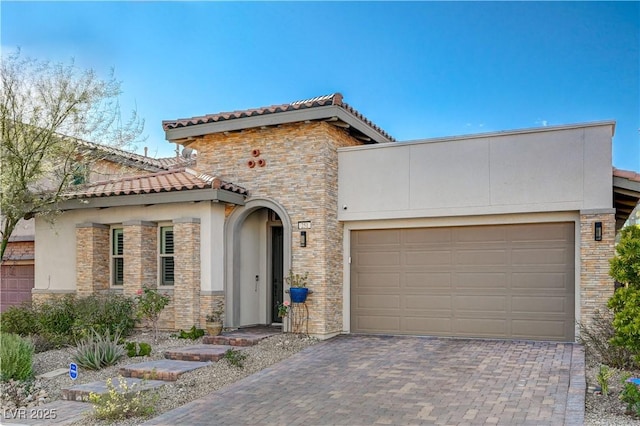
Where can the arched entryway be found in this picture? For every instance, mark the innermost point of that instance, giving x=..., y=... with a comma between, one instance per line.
x=257, y=252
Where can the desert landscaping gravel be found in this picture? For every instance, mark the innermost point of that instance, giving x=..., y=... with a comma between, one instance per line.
x=189, y=386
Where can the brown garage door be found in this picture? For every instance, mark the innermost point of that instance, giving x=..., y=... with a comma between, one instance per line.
x=504, y=281
x=16, y=282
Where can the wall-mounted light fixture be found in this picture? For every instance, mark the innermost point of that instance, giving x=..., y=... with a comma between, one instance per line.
x=597, y=232
x=303, y=238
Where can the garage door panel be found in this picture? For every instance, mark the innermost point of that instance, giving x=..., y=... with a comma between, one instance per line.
x=432, y=302
x=378, y=280
x=426, y=258
x=427, y=236
x=480, y=303
x=539, y=329
x=480, y=327
x=544, y=232
x=479, y=234
x=432, y=280
x=437, y=326
x=502, y=281
x=539, y=305
x=482, y=257
x=482, y=280
x=378, y=324
x=370, y=301
x=386, y=258
x=378, y=237
x=542, y=280
x=541, y=256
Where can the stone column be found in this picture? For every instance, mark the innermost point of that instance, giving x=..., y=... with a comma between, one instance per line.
x=140, y=256
x=186, y=294
x=92, y=258
x=596, y=286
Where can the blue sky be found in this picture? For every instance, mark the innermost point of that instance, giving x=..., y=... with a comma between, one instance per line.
x=416, y=69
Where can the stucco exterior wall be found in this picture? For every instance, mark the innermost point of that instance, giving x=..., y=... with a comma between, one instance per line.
x=55, y=251
x=301, y=174
x=562, y=169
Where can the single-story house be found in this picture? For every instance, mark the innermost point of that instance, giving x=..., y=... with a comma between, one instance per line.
x=497, y=235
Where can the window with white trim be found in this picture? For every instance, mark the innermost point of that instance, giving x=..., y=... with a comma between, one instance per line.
x=167, y=265
x=117, y=256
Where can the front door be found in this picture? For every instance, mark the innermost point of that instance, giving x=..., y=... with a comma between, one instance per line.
x=277, y=273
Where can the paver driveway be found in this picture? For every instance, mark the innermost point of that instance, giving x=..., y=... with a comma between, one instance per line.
x=362, y=380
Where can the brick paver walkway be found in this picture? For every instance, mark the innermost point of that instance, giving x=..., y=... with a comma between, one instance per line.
x=403, y=380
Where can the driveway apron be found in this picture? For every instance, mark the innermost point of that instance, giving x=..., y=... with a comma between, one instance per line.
x=364, y=380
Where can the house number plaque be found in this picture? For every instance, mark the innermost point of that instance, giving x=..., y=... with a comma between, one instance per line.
x=304, y=225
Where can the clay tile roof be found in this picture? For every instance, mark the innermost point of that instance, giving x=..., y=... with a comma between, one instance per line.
x=173, y=180
x=137, y=160
x=333, y=99
x=627, y=174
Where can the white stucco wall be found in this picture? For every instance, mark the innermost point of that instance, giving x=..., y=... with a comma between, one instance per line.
x=55, y=248
x=564, y=168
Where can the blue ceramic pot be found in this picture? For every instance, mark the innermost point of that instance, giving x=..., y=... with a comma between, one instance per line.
x=298, y=294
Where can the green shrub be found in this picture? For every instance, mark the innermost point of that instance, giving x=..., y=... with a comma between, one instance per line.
x=193, y=333
x=123, y=403
x=596, y=338
x=625, y=305
x=137, y=349
x=19, y=320
x=631, y=396
x=603, y=377
x=105, y=312
x=16, y=356
x=56, y=317
x=625, y=267
x=98, y=350
x=235, y=357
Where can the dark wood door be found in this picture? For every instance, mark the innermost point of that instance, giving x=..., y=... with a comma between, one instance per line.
x=277, y=273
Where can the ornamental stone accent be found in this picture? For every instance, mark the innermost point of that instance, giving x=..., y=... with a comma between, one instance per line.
x=92, y=258
x=596, y=284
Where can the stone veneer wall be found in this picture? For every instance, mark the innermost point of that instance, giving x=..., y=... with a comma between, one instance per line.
x=207, y=301
x=300, y=173
x=186, y=300
x=140, y=256
x=596, y=284
x=92, y=258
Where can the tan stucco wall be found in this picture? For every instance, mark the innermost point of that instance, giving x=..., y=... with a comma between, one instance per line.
x=55, y=254
x=564, y=169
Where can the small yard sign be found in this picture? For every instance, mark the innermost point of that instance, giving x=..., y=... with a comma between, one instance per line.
x=73, y=371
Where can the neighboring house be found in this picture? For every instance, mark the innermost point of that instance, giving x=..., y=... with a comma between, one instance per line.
x=500, y=235
x=17, y=266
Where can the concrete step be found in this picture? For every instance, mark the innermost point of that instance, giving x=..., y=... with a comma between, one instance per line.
x=198, y=353
x=241, y=337
x=81, y=392
x=165, y=369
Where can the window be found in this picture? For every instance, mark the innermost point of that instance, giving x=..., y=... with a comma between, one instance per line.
x=166, y=255
x=117, y=256
x=80, y=174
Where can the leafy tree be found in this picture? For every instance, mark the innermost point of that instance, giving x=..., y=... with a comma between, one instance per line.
x=625, y=303
x=625, y=266
x=46, y=110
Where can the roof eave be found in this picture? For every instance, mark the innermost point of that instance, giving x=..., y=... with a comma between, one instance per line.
x=285, y=117
x=184, y=196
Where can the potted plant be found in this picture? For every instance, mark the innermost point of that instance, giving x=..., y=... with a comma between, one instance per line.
x=298, y=286
x=214, y=318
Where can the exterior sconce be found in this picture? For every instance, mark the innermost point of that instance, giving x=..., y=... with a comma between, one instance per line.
x=303, y=238
x=597, y=233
